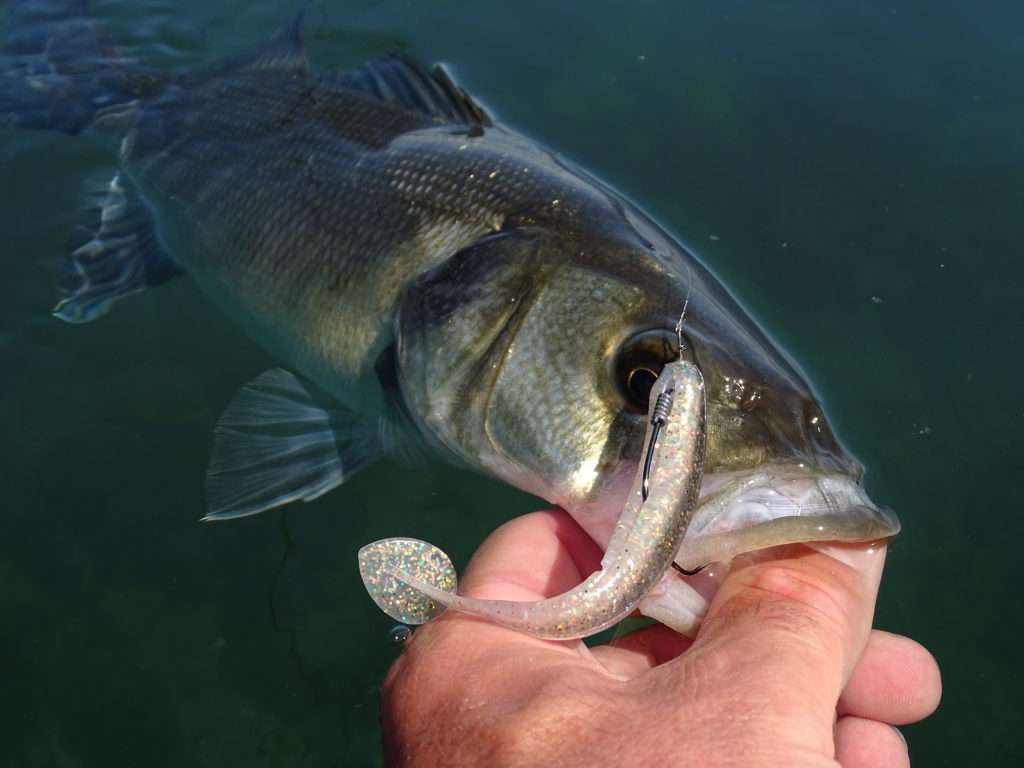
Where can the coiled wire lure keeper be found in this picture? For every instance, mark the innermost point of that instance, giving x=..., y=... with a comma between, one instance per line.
x=659, y=418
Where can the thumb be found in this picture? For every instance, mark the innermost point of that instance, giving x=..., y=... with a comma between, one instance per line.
x=795, y=620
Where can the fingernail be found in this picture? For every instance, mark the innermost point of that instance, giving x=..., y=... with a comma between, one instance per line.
x=859, y=556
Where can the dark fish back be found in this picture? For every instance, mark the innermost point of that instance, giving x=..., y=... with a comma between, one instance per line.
x=270, y=185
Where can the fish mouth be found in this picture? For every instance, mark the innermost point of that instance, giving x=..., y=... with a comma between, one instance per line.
x=770, y=506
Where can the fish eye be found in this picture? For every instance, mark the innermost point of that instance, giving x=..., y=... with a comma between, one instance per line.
x=639, y=383
x=638, y=364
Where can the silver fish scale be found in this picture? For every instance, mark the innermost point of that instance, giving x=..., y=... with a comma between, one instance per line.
x=307, y=207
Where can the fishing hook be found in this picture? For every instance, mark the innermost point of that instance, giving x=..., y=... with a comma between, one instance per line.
x=659, y=417
x=685, y=572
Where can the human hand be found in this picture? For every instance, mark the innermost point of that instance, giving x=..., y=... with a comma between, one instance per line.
x=785, y=671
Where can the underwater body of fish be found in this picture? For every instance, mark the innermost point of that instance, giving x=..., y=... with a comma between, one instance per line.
x=430, y=280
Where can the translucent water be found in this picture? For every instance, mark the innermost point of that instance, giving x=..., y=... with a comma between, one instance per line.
x=853, y=172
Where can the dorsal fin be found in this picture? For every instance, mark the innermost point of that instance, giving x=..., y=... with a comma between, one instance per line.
x=285, y=50
x=398, y=79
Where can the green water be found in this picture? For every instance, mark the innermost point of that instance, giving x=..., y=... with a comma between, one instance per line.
x=854, y=172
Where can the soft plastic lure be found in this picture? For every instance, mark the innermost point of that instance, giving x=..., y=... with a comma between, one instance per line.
x=413, y=581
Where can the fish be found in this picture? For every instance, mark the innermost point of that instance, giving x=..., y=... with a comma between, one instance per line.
x=429, y=280
x=413, y=581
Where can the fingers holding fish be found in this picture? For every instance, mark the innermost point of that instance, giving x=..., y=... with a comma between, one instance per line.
x=539, y=555
x=543, y=554
x=782, y=629
x=896, y=681
x=532, y=557
x=862, y=743
x=457, y=660
x=793, y=617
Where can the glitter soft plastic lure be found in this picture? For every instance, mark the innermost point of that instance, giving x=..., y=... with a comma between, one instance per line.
x=413, y=581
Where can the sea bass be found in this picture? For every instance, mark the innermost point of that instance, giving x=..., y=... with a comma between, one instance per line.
x=427, y=277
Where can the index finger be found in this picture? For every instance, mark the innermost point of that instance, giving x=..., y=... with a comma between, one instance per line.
x=532, y=557
x=529, y=558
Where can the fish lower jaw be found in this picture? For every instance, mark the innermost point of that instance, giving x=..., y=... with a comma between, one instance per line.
x=770, y=506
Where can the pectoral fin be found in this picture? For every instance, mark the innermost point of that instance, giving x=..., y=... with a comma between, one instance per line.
x=275, y=443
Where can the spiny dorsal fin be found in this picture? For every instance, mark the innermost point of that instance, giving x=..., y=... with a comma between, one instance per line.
x=398, y=79
x=285, y=50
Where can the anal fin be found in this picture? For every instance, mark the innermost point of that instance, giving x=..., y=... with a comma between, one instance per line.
x=275, y=444
x=120, y=256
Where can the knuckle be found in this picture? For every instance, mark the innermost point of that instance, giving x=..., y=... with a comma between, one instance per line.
x=793, y=597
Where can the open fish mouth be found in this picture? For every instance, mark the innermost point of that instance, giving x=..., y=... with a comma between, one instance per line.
x=770, y=506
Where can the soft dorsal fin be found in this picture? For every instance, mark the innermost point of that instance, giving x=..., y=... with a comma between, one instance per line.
x=398, y=79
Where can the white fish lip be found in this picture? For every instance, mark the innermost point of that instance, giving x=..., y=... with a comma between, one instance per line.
x=774, y=505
